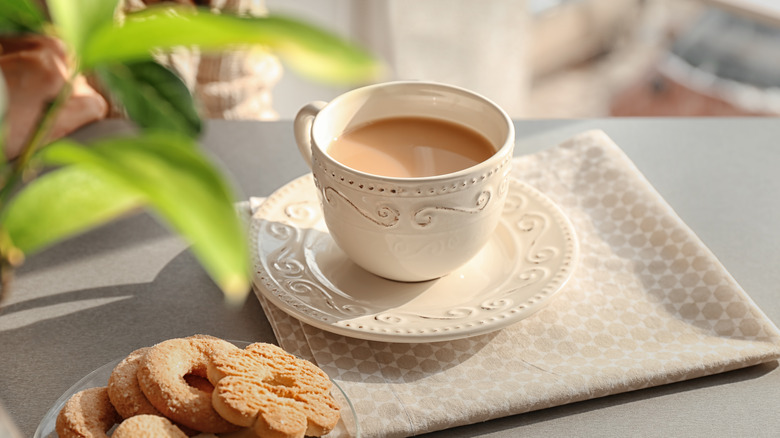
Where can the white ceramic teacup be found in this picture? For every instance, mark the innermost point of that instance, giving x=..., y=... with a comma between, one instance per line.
x=408, y=229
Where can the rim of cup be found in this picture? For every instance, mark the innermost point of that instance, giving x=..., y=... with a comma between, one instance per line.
x=497, y=160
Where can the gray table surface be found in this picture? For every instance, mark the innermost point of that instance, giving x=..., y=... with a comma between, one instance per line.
x=85, y=302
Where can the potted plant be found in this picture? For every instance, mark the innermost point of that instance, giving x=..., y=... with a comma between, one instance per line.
x=55, y=189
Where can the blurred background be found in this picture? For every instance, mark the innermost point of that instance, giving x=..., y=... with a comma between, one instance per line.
x=535, y=58
x=561, y=58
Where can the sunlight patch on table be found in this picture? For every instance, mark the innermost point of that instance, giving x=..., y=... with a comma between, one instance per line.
x=23, y=318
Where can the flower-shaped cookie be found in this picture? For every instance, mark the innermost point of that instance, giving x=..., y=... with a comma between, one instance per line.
x=272, y=392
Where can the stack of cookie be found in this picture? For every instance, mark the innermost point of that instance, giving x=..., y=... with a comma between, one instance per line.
x=201, y=384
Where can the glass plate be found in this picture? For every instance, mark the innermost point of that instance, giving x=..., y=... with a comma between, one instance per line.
x=346, y=428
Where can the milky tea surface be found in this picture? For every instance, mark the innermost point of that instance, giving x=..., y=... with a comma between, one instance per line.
x=410, y=147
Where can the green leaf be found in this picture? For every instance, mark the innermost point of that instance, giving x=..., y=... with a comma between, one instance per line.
x=313, y=52
x=186, y=191
x=63, y=203
x=154, y=97
x=20, y=16
x=77, y=20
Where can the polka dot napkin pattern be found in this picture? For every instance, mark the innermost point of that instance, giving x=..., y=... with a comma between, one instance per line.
x=648, y=304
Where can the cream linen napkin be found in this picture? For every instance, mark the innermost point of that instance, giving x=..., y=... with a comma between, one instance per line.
x=648, y=304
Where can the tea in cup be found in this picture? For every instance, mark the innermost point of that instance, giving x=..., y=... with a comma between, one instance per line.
x=412, y=176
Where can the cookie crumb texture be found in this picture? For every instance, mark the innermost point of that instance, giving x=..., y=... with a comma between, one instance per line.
x=148, y=426
x=88, y=413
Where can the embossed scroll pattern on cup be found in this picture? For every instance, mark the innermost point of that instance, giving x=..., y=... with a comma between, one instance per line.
x=386, y=213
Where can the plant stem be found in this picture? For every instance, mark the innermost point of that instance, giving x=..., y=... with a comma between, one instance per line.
x=6, y=278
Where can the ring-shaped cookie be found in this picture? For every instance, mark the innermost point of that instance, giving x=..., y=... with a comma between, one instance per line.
x=88, y=413
x=161, y=377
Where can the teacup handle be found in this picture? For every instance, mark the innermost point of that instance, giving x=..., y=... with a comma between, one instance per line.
x=302, y=128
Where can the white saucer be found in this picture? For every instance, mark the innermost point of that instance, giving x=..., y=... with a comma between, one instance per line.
x=300, y=269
